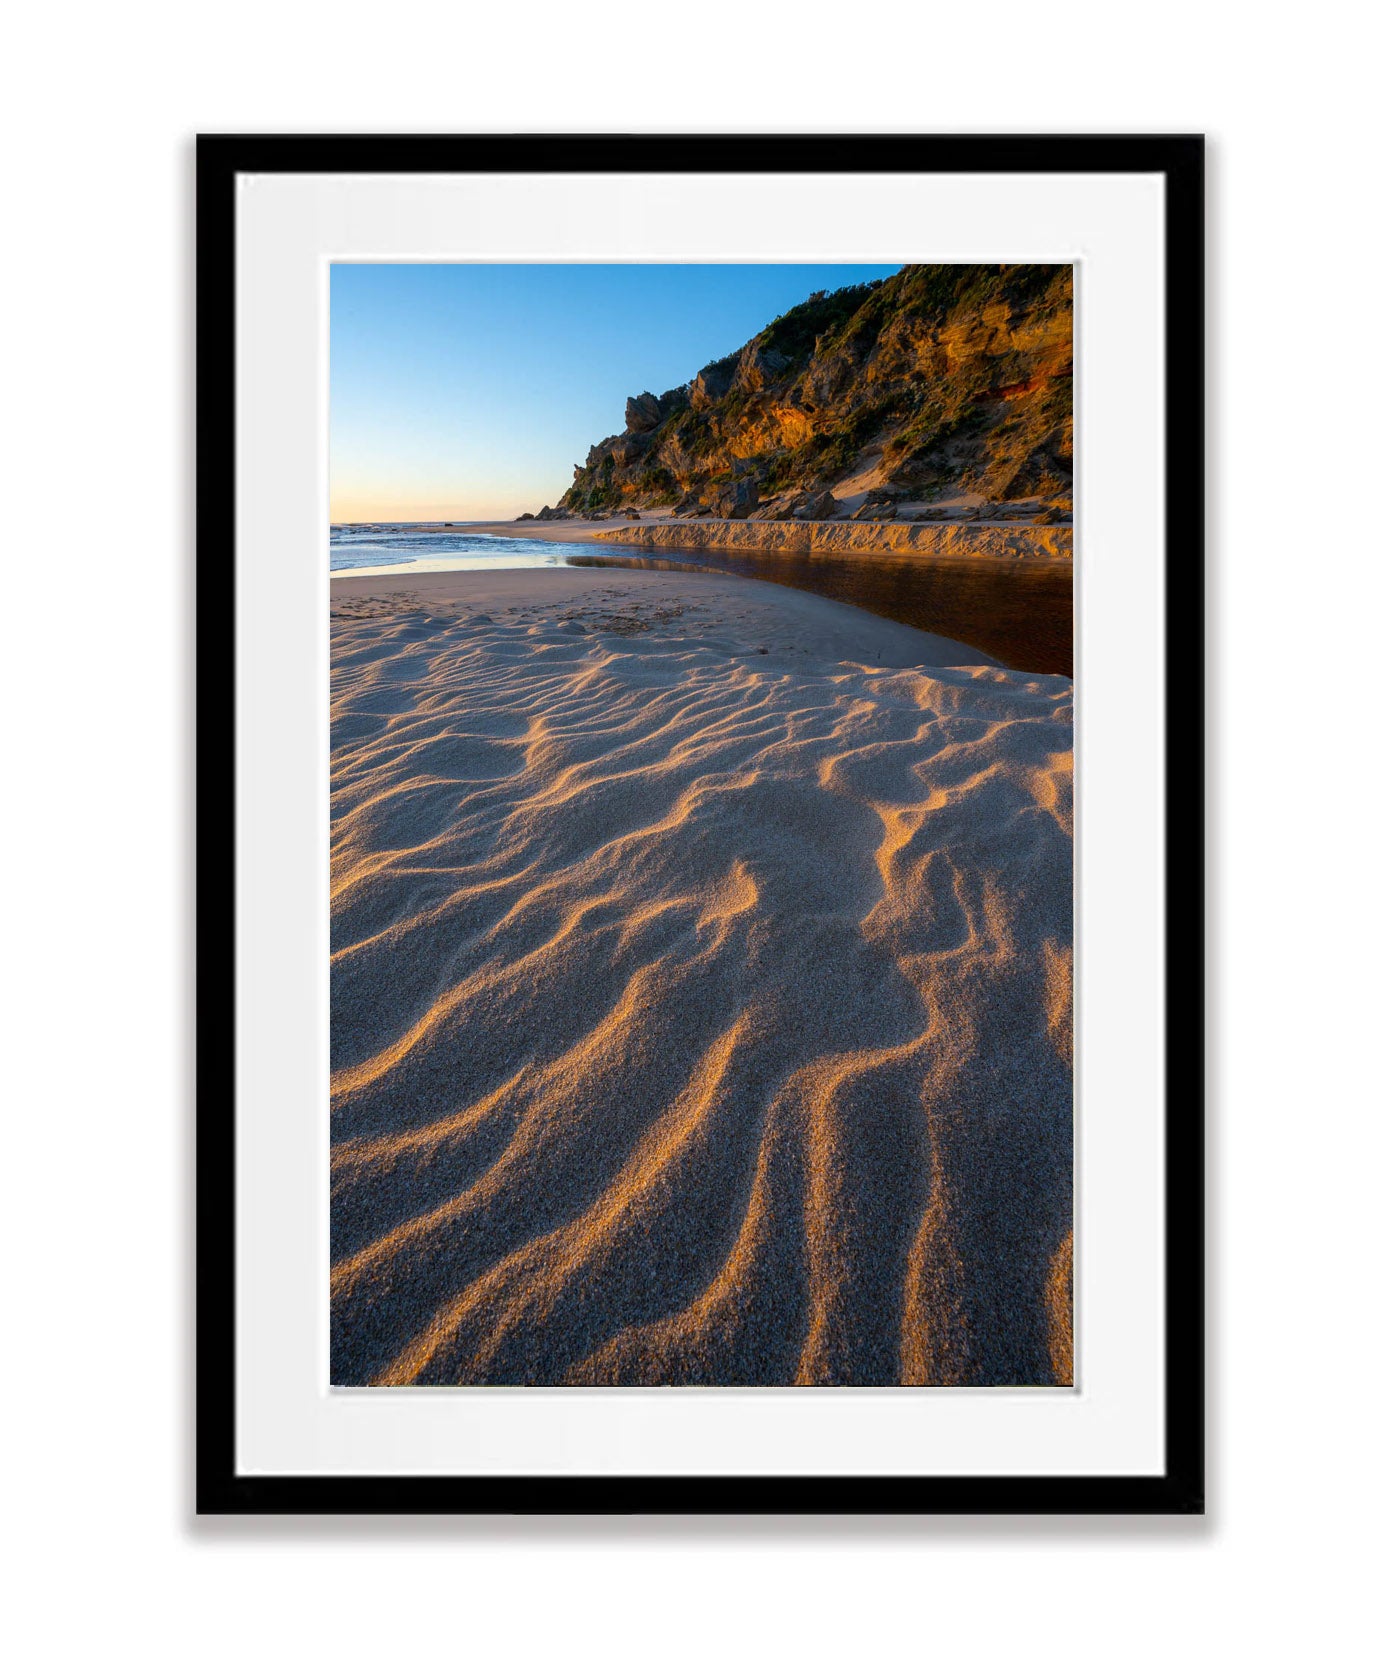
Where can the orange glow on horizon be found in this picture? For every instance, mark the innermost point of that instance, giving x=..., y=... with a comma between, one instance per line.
x=353, y=509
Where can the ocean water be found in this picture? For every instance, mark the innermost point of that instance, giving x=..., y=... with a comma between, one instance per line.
x=1019, y=611
x=353, y=546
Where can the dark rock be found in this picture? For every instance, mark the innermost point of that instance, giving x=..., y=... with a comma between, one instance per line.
x=604, y=451
x=736, y=500
x=819, y=505
x=758, y=368
x=802, y=504
x=713, y=382
x=629, y=447
x=520, y=516
x=643, y=413
x=881, y=503
x=781, y=506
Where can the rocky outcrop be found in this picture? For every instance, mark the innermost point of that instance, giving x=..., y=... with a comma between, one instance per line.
x=712, y=383
x=644, y=412
x=758, y=368
x=801, y=504
x=736, y=499
x=879, y=504
x=939, y=380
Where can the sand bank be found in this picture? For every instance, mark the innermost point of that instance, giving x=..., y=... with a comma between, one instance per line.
x=701, y=990
x=994, y=541
x=999, y=542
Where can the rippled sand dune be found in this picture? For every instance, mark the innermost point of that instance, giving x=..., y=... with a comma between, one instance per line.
x=700, y=990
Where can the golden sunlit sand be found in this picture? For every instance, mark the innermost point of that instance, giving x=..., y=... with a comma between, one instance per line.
x=701, y=990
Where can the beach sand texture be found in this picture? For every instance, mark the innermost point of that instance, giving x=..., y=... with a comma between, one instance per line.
x=701, y=1013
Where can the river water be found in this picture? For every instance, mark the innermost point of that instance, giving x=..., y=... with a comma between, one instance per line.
x=1019, y=611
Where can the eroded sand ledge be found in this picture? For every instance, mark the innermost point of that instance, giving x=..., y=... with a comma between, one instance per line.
x=701, y=990
x=658, y=530
x=1040, y=542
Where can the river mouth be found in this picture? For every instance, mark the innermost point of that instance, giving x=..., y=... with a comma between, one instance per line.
x=1020, y=611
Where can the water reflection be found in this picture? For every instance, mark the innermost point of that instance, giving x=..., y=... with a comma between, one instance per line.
x=1019, y=611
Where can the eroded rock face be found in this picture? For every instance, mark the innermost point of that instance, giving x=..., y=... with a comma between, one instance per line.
x=643, y=413
x=941, y=379
x=758, y=368
x=712, y=383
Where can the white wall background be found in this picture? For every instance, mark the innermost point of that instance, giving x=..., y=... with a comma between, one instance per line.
x=1285, y=1577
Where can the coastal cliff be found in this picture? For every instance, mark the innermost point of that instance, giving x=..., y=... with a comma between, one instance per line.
x=938, y=384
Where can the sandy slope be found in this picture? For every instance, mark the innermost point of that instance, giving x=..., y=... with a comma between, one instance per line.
x=701, y=990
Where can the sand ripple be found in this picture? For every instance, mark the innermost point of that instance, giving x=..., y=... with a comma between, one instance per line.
x=700, y=1014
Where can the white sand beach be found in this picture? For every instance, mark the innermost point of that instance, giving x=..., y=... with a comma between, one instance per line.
x=701, y=972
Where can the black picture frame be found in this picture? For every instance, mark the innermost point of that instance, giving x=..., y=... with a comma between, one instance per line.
x=1179, y=161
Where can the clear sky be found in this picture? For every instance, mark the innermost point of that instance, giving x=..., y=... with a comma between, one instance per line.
x=469, y=390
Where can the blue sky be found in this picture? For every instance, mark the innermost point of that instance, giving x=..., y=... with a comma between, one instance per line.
x=468, y=390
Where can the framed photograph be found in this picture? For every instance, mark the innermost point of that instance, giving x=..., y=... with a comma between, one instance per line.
x=700, y=833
